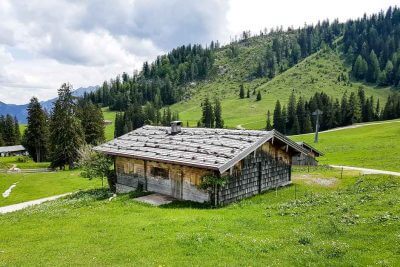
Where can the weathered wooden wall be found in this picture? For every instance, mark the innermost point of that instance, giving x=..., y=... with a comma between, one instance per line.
x=304, y=160
x=181, y=183
x=265, y=169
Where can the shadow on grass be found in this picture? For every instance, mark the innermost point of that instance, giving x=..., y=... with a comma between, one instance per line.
x=178, y=204
x=94, y=194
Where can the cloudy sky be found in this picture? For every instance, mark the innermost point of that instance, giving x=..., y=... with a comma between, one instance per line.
x=44, y=43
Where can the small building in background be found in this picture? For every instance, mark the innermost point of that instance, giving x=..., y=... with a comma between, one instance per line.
x=8, y=151
x=309, y=159
x=178, y=161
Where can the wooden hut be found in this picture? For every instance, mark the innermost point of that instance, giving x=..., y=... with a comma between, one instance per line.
x=309, y=159
x=18, y=150
x=175, y=161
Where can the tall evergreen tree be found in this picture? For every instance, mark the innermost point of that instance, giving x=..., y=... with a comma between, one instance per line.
x=373, y=67
x=219, y=122
x=208, y=117
x=278, y=118
x=92, y=122
x=241, y=91
x=66, y=134
x=36, y=135
x=269, y=124
x=258, y=98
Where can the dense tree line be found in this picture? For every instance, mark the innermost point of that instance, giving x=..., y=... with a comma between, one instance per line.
x=288, y=49
x=136, y=116
x=211, y=114
x=159, y=82
x=372, y=46
x=9, y=131
x=297, y=118
x=58, y=137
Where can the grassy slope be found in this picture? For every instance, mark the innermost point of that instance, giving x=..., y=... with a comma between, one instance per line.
x=352, y=223
x=7, y=162
x=40, y=185
x=373, y=146
x=316, y=73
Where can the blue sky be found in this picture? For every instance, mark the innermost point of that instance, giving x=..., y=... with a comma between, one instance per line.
x=44, y=43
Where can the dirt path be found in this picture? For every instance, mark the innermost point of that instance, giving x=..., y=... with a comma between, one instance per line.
x=365, y=170
x=358, y=126
x=23, y=205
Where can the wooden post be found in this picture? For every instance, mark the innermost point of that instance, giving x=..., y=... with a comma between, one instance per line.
x=145, y=175
x=341, y=174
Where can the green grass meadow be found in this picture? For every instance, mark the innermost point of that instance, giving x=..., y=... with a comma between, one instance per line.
x=318, y=72
x=31, y=186
x=372, y=146
x=337, y=221
x=109, y=130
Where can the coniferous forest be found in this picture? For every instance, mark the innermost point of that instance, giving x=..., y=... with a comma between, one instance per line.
x=370, y=46
x=9, y=131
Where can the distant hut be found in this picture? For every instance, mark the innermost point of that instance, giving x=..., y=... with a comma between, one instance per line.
x=8, y=151
x=309, y=159
x=176, y=161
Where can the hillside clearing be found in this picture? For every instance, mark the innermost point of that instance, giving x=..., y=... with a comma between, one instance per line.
x=353, y=222
x=319, y=72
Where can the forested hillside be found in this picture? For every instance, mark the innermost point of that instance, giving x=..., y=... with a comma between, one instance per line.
x=334, y=58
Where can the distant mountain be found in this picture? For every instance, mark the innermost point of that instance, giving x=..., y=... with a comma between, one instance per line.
x=20, y=110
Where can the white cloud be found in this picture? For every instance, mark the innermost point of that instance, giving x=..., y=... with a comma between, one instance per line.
x=44, y=43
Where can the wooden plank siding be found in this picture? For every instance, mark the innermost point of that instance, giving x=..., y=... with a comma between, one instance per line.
x=267, y=167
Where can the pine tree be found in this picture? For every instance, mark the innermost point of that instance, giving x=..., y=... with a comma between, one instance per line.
x=241, y=91
x=296, y=126
x=36, y=135
x=248, y=93
x=373, y=67
x=354, y=109
x=17, y=131
x=219, y=122
x=258, y=98
x=9, y=135
x=269, y=125
x=360, y=68
x=208, y=117
x=291, y=112
x=92, y=122
x=308, y=124
x=284, y=119
x=278, y=119
x=66, y=134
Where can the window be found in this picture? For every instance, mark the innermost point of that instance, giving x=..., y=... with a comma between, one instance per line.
x=159, y=173
x=128, y=168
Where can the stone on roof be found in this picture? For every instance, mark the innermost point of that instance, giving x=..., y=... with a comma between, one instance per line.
x=216, y=149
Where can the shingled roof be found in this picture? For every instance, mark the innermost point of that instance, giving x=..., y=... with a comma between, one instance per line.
x=216, y=149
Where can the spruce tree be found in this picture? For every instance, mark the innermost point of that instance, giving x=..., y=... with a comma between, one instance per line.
x=219, y=122
x=296, y=126
x=17, y=132
x=291, y=111
x=354, y=109
x=269, y=125
x=373, y=67
x=36, y=135
x=208, y=117
x=9, y=135
x=278, y=120
x=258, y=98
x=66, y=134
x=92, y=122
x=307, y=124
x=241, y=91
x=248, y=93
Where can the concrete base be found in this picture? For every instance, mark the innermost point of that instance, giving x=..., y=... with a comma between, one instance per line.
x=155, y=199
